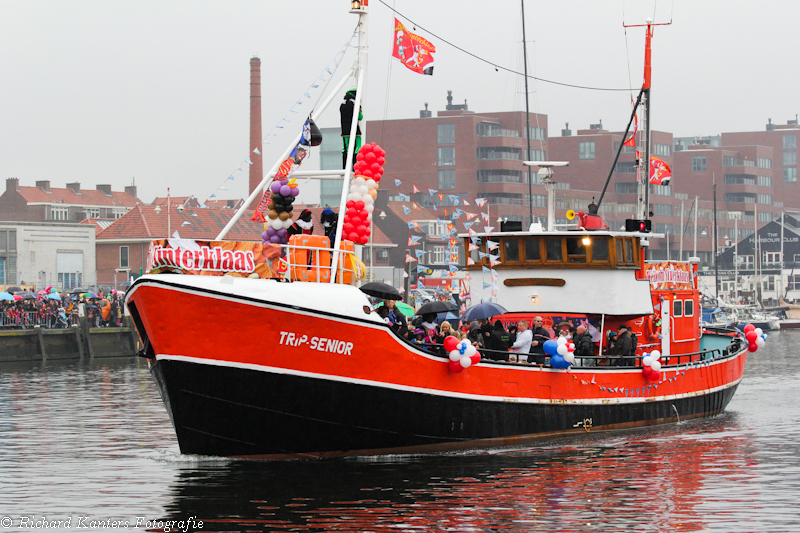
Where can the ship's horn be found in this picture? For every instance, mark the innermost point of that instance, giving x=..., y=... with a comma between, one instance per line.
x=570, y=214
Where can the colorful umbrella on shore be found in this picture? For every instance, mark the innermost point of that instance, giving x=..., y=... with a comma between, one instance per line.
x=12, y=290
x=26, y=295
x=404, y=308
x=6, y=296
x=89, y=295
x=54, y=296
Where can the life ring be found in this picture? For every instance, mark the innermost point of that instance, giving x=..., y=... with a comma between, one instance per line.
x=652, y=325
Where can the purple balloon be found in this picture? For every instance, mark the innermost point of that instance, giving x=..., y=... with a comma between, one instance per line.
x=265, y=236
x=282, y=232
x=275, y=187
x=286, y=190
x=295, y=191
x=271, y=231
x=285, y=181
x=276, y=239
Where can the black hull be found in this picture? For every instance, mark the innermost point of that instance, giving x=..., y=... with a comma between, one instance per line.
x=226, y=411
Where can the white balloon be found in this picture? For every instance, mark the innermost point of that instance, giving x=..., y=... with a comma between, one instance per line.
x=362, y=190
x=562, y=349
x=367, y=199
x=562, y=341
x=656, y=366
x=759, y=331
x=369, y=207
x=765, y=336
x=276, y=224
x=760, y=342
x=287, y=223
x=354, y=196
x=467, y=342
x=569, y=357
x=470, y=351
x=647, y=361
x=465, y=361
x=359, y=181
x=655, y=354
x=455, y=355
x=371, y=184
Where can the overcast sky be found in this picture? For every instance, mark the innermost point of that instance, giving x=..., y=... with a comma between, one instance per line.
x=107, y=91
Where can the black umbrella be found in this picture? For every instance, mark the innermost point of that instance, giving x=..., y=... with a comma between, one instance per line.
x=381, y=290
x=26, y=295
x=79, y=290
x=12, y=290
x=436, y=307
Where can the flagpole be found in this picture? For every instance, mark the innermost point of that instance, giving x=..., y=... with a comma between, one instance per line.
x=527, y=117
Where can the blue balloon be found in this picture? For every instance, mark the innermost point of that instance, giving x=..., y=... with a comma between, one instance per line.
x=551, y=347
x=557, y=361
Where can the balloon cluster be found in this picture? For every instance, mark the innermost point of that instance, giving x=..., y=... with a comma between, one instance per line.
x=651, y=366
x=462, y=354
x=279, y=217
x=755, y=336
x=363, y=193
x=560, y=352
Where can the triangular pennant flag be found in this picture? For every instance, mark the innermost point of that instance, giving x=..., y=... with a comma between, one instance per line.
x=432, y=191
x=450, y=314
x=414, y=205
x=486, y=285
x=488, y=229
x=465, y=201
x=256, y=151
x=397, y=182
x=453, y=268
x=470, y=261
x=412, y=224
x=405, y=274
x=406, y=210
x=472, y=247
x=480, y=201
x=485, y=216
x=470, y=216
x=409, y=259
x=485, y=270
x=223, y=188
x=420, y=253
x=491, y=245
x=307, y=94
x=413, y=239
x=441, y=197
x=414, y=189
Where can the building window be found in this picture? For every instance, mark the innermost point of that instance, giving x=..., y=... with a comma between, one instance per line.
x=740, y=198
x=446, y=133
x=625, y=167
x=790, y=142
x=586, y=150
x=59, y=213
x=538, y=134
x=447, y=156
x=729, y=161
x=69, y=266
x=664, y=210
x=539, y=200
x=662, y=149
x=764, y=217
x=765, y=181
x=790, y=174
x=118, y=212
x=447, y=178
x=123, y=257
x=537, y=155
x=662, y=190
x=92, y=212
x=439, y=255
x=626, y=188
x=739, y=179
x=499, y=176
x=764, y=162
x=765, y=199
x=382, y=255
x=499, y=152
x=789, y=158
x=699, y=164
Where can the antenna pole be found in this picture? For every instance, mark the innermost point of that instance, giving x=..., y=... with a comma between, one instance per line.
x=527, y=116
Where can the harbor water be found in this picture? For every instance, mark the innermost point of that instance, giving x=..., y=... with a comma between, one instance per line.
x=89, y=447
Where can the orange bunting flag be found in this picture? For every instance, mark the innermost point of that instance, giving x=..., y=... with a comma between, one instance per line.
x=631, y=141
x=415, y=206
x=470, y=261
x=660, y=172
x=412, y=50
x=414, y=190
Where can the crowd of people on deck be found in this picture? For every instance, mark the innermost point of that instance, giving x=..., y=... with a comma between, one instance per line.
x=48, y=311
x=521, y=342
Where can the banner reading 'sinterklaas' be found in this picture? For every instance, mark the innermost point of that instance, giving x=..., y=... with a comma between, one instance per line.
x=412, y=50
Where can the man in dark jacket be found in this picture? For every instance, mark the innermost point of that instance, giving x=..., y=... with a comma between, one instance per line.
x=624, y=346
x=499, y=341
x=540, y=336
x=583, y=346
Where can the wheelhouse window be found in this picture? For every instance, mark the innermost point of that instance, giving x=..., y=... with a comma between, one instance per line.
x=553, y=251
x=576, y=250
x=688, y=308
x=532, y=251
x=599, y=250
x=677, y=308
x=511, y=250
x=625, y=251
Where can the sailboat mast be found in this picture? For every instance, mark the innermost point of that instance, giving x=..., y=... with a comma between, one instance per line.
x=527, y=116
x=644, y=206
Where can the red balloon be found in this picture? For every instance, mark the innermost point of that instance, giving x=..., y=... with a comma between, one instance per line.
x=353, y=237
x=751, y=336
x=450, y=343
x=377, y=177
x=749, y=327
x=349, y=204
x=476, y=358
x=359, y=205
x=360, y=156
x=571, y=348
x=383, y=152
x=363, y=239
x=375, y=167
x=455, y=367
x=373, y=145
x=752, y=348
x=367, y=232
x=370, y=158
x=348, y=228
x=381, y=159
x=361, y=229
x=367, y=173
x=655, y=376
x=646, y=370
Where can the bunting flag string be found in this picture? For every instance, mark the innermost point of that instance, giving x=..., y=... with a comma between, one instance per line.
x=307, y=93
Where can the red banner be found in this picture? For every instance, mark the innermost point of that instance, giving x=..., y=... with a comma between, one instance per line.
x=660, y=172
x=632, y=139
x=412, y=50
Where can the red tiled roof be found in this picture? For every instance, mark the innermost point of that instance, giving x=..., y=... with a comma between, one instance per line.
x=176, y=201
x=142, y=222
x=224, y=204
x=86, y=197
x=99, y=223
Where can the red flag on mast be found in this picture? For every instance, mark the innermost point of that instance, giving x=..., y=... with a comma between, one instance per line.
x=632, y=139
x=412, y=50
x=660, y=172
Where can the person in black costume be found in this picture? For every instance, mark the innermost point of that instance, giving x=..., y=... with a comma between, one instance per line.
x=346, y=112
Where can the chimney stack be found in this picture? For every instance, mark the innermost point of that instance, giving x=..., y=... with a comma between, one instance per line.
x=44, y=185
x=131, y=189
x=12, y=184
x=105, y=189
x=257, y=168
x=75, y=187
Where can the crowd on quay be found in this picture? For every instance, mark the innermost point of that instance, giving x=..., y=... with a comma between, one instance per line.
x=522, y=343
x=51, y=309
